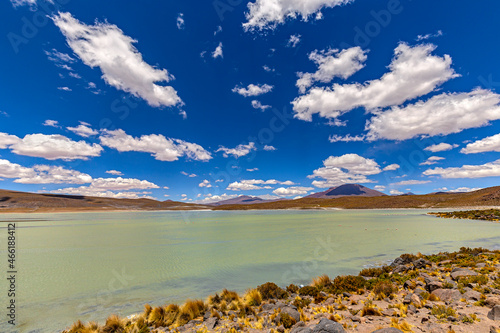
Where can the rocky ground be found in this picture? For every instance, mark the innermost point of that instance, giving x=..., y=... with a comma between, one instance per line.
x=447, y=292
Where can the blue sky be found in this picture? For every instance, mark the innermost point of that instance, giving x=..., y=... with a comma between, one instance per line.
x=206, y=100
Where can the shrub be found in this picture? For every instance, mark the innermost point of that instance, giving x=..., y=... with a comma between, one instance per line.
x=348, y=283
x=384, y=288
x=286, y=320
x=301, y=303
x=442, y=311
x=370, y=310
x=189, y=311
x=270, y=290
x=157, y=317
x=229, y=296
x=171, y=312
x=292, y=289
x=375, y=272
x=113, y=325
x=253, y=297
x=321, y=282
x=147, y=310
x=309, y=291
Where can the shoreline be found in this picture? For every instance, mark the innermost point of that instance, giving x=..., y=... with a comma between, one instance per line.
x=445, y=292
x=76, y=211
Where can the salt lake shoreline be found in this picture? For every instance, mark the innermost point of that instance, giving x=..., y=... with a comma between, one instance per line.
x=446, y=292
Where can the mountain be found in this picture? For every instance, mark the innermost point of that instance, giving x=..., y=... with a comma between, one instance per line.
x=346, y=190
x=242, y=200
x=13, y=201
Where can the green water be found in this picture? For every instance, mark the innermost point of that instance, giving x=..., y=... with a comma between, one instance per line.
x=87, y=266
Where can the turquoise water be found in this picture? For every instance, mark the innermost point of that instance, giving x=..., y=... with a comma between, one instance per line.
x=89, y=265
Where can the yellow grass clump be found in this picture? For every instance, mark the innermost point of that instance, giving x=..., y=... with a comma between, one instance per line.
x=253, y=297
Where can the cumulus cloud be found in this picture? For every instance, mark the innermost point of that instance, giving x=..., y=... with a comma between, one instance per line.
x=440, y=115
x=432, y=160
x=294, y=40
x=347, y=138
x=348, y=168
x=42, y=174
x=395, y=192
x=491, y=143
x=291, y=191
x=411, y=182
x=258, y=105
x=253, y=169
x=269, y=148
x=192, y=175
x=256, y=184
x=210, y=198
x=491, y=169
x=205, y=183
x=105, y=46
x=391, y=167
x=50, y=147
x=253, y=89
x=379, y=188
x=440, y=147
x=267, y=14
x=238, y=151
x=180, y=21
x=218, y=52
x=413, y=72
x=115, y=172
x=332, y=63
x=162, y=148
x=83, y=130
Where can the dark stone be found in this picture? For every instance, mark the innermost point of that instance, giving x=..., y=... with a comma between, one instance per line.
x=494, y=314
x=211, y=323
x=457, y=273
x=328, y=326
x=300, y=330
x=388, y=330
x=447, y=295
x=421, y=263
x=433, y=285
x=291, y=312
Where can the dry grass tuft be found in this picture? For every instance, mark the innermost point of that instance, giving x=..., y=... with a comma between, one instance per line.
x=113, y=325
x=253, y=297
x=321, y=281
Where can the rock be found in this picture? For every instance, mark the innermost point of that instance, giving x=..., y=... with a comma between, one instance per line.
x=407, y=299
x=330, y=301
x=493, y=330
x=300, y=330
x=421, y=263
x=401, y=269
x=388, y=330
x=494, y=314
x=492, y=301
x=346, y=294
x=457, y=273
x=416, y=300
x=389, y=312
x=322, y=293
x=433, y=285
x=447, y=295
x=412, y=309
x=291, y=312
x=472, y=295
x=356, y=319
x=281, y=329
x=481, y=265
x=401, y=261
x=207, y=315
x=211, y=323
x=328, y=326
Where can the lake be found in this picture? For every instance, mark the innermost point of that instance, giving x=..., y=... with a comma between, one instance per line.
x=89, y=265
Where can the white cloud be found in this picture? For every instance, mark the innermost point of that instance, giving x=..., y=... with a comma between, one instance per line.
x=294, y=40
x=256, y=184
x=379, y=188
x=252, y=170
x=420, y=38
x=347, y=138
x=414, y=72
x=396, y=192
x=90, y=192
x=192, y=175
x=215, y=198
x=83, y=130
x=121, y=184
x=391, y=167
x=64, y=89
x=180, y=21
x=465, y=189
x=491, y=143
x=238, y=151
x=50, y=147
x=59, y=57
x=440, y=115
x=332, y=63
x=218, y=30
x=349, y=168
x=440, y=147
x=105, y=46
x=411, y=182
x=268, y=69
x=267, y=14
x=491, y=169
x=162, y=148
x=432, y=160
x=258, y=105
x=42, y=174
x=269, y=148
x=290, y=191
x=218, y=52
x=115, y=172
x=205, y=183
x=253, y=89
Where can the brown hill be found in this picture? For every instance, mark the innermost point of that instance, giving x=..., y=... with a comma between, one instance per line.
x=241, y=200
x=12, y=201
x=346, y=190
x=482, y=198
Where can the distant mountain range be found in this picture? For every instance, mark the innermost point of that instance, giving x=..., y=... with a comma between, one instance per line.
x=345, y=190
x=348, y=196
x=242, y=200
